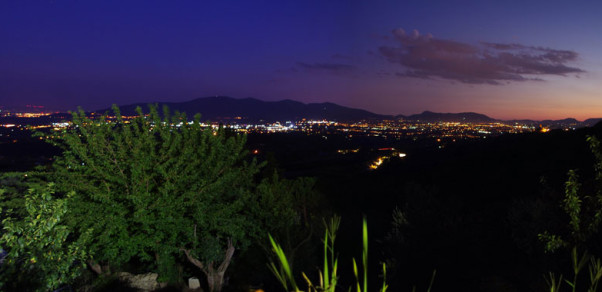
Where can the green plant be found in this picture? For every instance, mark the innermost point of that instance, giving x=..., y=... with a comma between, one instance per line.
x=554, y=282
x=432, y=281
x=328, y=276
x=585, y=216
x=363, y=287
x=579, y=233
x=595, y=273
x=283, y=272
x=14, y=186
x=159, y=187
x=40, y=246
x=289, y=207
x=579, y=263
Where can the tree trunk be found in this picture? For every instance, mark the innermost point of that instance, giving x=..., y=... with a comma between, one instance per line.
x=215, y=280
x=215, y=277
x=95, y=267
x=98, y=269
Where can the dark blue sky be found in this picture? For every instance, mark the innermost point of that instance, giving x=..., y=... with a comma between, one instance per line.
x=507, y=59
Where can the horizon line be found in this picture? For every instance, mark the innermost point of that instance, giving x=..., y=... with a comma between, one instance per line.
x=308, y=103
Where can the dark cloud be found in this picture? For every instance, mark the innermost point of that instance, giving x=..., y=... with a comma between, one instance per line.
x=424, y=56
x=326, y=67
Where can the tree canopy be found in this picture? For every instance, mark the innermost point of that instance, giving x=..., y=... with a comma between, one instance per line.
x=154, y=186
x=40, y=254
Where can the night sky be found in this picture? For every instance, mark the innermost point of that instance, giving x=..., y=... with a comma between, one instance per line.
x=506, y=59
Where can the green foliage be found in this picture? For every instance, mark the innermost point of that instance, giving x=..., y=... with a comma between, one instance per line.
x=169, y=270
x=328, y=276
x=572, y=204
x=432, y=281
x=14, y=185
x=290, y=210
x=328, y=281
x=595, y=273
x=554, y=282
x=364, y=261
x=385, y=285
x=552, y=242
x=282, y=204
x=583, y=222
x=283, y=272
x=153, y=185
x=596, y=148
x=578, y=263
x=41, y=249
x=581, y=227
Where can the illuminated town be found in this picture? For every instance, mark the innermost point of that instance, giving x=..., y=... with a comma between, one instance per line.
x=392, y=129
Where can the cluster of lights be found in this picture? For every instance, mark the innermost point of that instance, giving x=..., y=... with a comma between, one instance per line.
x=377, y=128
x=381, y=159
x=30, y=115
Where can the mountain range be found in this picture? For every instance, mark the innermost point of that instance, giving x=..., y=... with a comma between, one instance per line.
x=251, y=110
x=224, y=109
x=221, y=108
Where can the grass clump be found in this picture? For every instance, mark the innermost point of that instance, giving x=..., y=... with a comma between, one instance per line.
x=328, y=277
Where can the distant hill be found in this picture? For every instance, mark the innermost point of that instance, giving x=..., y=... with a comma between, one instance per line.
x=569, y=122
x=592, y=122
x=249, y=110
x=429, y=116
x=221, y=108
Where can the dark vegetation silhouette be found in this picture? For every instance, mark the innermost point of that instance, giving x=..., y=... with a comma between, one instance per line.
x=473, y=210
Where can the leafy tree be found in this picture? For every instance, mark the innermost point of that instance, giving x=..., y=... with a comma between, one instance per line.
x=585, y=215
x=40, y=253
x=153, y=187
x=584, y=211
x=15, y=185
x=294, y=203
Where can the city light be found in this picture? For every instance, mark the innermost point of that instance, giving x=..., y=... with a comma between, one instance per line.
x=443, y=133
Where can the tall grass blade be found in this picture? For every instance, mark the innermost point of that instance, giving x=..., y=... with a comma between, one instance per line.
x=284, y=265
x=357, y=278
x=595, y=273
x=365, y=253
x=328, y=276
x=334, y=280
x=385, y=286
x=278, y=273
x=578, y=264
x=553, y=282
x=432, y=281
x=309, y=283
x=326, y=283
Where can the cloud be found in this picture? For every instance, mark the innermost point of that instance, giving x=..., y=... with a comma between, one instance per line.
x=424, y=56
x=326, y=67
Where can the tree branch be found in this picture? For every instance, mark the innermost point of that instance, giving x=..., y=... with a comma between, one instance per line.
x=229, y=253
x=95, y=267
x=194, y=261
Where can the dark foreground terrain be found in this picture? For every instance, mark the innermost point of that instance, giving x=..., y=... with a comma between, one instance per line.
x=471, y=210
